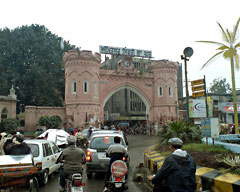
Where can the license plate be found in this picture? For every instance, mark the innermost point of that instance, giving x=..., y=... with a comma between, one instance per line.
x=102, y=156
x=118, y=185
x=77, y=189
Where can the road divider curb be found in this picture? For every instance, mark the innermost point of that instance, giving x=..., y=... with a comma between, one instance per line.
x=207, y=178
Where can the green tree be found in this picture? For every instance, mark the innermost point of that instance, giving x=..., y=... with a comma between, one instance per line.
x=9, y=125
x=51, y=122
x=220, y=85
x=228, y=49
x=186, y=131
x=31, y=60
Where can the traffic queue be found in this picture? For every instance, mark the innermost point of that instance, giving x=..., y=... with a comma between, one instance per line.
x=55, y=149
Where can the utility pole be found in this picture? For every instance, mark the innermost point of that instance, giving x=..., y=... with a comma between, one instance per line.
x=188, y=52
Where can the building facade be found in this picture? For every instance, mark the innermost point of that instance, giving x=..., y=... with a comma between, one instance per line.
x=129, y=87
x=8, y=105
x=90, y=85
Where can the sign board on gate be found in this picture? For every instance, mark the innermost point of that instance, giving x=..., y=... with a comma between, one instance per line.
x=125, y=51
x=197, y=82
x=198, y=94
x=198, y=88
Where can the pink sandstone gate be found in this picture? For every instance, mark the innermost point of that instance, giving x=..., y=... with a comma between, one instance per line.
x=88, y=87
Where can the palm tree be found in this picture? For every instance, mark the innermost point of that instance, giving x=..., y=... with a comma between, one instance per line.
x=229, y=51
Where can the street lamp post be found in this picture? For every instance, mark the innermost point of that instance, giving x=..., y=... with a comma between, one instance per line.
x=188, y=52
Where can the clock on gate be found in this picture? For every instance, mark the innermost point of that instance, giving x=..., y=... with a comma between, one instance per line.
x=127, y=63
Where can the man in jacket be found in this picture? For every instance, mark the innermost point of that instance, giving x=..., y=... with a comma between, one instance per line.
x=178, y=170
x=73, y=158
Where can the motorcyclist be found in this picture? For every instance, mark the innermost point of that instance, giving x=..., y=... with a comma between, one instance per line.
x=115, y=152
x=73, y=158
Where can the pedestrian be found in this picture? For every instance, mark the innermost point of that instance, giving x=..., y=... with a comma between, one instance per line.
x=3, y=138
x=90, y=130
x=75, y=131
x=151, y=130
x=71, y=130
x=155, y=129
x=177, y=173
x=113, y=128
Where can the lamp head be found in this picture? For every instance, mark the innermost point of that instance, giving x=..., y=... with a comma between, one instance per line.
x=188, y=52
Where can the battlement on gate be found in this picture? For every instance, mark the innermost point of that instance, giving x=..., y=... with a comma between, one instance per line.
x=74, y=55
x=158, y=64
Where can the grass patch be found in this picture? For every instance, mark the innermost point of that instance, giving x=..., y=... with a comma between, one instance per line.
x=204, y=155
x=204, y=147
x=163, y=149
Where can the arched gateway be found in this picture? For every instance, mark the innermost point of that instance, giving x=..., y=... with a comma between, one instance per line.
x=89, y=85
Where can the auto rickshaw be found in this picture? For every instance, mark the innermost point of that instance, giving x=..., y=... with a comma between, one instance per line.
x=16, y=171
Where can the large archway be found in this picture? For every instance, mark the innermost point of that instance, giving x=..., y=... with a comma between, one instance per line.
x=134, y=90
x=126, y=106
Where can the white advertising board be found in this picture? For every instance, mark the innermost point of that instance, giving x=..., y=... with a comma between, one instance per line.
x=125, y=51
x=210, y=127
x=197, y=108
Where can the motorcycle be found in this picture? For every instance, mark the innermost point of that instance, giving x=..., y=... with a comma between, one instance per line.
x=118, y=176
x=74, y=183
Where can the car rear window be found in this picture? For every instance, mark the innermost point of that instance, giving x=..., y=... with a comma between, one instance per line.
x=102, y=143
x=34, y=149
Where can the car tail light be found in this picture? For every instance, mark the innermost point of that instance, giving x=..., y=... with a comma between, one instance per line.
x=118, y=179
x=124, y=159
x=78, y=183
x=89, y=156
x=39, y=166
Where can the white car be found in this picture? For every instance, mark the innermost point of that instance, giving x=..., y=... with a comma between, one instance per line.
x=45, y=154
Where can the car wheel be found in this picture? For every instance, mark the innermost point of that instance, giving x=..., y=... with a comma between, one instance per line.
x=89, y=175
x=45, y=177
x=34, y=187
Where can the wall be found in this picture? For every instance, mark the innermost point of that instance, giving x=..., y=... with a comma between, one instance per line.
x=33, y=113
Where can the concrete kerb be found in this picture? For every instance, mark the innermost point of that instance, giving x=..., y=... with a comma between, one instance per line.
x=207, y=178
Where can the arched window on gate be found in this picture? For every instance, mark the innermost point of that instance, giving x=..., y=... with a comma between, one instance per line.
x=85, y=86
x=74, y=86
x=170, y=89
x=4, y=114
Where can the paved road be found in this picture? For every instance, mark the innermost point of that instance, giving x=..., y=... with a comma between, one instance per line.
x=137, y=145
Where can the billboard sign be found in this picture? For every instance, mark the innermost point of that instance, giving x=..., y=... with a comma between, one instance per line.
x=198, y=88
x=210, y=106
x=197, y=108
x=228, y=107
x=125, y=51
x=198, y=94
x=210, y=127
x=197, y=82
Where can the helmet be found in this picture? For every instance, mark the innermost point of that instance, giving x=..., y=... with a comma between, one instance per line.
x=71, y=140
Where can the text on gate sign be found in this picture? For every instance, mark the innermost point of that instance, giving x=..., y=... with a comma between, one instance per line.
x=125, y=51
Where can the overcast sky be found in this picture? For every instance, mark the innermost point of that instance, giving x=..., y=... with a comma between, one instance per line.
x=165, y=27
